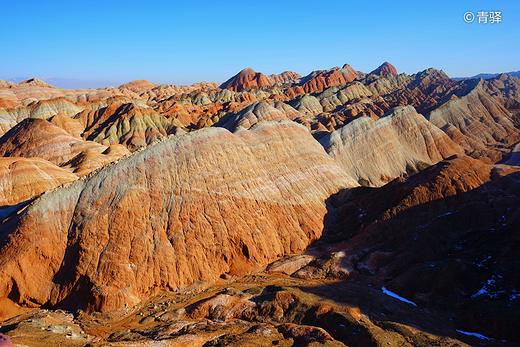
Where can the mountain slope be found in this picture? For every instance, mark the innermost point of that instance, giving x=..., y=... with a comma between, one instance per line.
x=162, y=218
x=24, y=178
x=39, y=138
x=399, y=143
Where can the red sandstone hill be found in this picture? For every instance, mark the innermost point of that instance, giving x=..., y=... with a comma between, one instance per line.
x=245, y=79
x=248, y=78
x=385, y=69
x=285, y=76
x=317, y=81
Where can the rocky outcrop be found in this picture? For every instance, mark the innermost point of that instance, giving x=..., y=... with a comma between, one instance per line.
x=505, y=87
x=452, y=234
x=333, y=97
x=162, y=218
x=7, y=103
x=401, y=142
x=154, y=92
x=34, y=89
x=24, y=178
x=128, y=124
x=289, y=111
x=29, y=92
x=257, y=311
x=385, y=85
x=6, y=84
x=308, y=105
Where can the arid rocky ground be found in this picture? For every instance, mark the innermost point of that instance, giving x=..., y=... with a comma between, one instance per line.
x=341, y=208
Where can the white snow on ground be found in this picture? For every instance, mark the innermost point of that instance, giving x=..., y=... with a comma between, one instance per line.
x=394, y=295
x=431, y=221
x=484, y=290
x=480, y=336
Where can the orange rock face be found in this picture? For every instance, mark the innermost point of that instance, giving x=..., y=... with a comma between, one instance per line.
x=23, y=178
x=163, y=217
x=482, y=119
x=7, y=103
x=42, y=109
x=36, y=82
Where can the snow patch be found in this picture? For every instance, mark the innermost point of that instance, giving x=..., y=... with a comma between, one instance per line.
x=480, y=336
x=394, y=295
x=484, y=290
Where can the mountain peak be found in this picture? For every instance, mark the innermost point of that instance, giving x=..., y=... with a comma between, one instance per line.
x=36, y=82
x=385, y=69
x=247, y=71
x=245, y=79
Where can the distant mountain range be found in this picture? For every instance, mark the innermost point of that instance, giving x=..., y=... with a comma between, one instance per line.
x=488, y=75
x=67, y=83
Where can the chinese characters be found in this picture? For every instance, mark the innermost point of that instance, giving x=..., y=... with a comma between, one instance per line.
x=484, y=17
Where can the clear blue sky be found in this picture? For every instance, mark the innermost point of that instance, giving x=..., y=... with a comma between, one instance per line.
x=186, y=42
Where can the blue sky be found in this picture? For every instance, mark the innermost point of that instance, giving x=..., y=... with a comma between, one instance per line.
x=172, y=42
